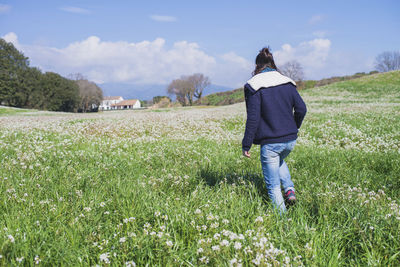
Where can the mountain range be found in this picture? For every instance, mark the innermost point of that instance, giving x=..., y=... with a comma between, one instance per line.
x=148, y=91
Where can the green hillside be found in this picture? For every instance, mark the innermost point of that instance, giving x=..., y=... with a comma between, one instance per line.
x=368, y=85
x=223, y=98
x=377, y=85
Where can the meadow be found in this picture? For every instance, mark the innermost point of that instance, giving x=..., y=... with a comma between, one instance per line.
x=169, y=187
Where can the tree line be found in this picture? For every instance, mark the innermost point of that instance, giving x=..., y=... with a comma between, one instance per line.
x=27, y=87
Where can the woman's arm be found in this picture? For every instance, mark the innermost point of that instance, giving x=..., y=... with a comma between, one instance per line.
x=253, y=107
x=300, y=108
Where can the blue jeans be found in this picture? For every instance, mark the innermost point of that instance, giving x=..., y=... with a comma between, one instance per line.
x=276, y=171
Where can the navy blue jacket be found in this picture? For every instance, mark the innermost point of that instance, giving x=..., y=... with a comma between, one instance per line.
x=275, y=110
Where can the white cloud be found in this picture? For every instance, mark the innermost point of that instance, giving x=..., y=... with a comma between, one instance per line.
x=142, y=62
x=4, y=8
x=11, y=37
x=146, y=62
x=312, y=55
x=155, y=62
x=163, y=18
x=233, y=70
x=319, y=61
x=76, y=10
x=315, y=19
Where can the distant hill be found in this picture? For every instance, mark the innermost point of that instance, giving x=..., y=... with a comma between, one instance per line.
x=147, y=91
x=379, y=85
x=223, y=98
x=237, y=95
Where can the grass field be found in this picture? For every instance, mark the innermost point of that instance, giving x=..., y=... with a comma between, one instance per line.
x=171, y=188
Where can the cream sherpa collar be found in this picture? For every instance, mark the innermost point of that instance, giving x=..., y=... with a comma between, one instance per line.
x=268, y=79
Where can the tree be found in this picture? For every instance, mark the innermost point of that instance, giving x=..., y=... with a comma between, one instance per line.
x=61, y=93
x=388, y=61
x=32, y=95
x=188, y=87
x=89, y=93
x=23, y=86
x=200, y=82
x=181, y=88
x=13, y=64
x=293, y=70
x=157, y=99
x=161, y=101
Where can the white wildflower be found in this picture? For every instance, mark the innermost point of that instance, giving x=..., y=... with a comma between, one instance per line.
x=104, y=258
x=37, y=259
x=237, y=245
x=169, y=243
x=224, y=243
x=259, y=219
x=215, y=248
x=204, y=259
x=122, y=240
x=11, y=238
x=131, y=234
x=130, y=264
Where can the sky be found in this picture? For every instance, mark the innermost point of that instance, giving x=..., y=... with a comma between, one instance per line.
x=154, y=42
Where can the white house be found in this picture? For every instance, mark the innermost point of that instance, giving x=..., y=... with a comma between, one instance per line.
x=108, y=101
x=126, y=104
x=117, y=102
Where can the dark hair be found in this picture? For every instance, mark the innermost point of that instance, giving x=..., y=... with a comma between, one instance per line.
x=264, y=60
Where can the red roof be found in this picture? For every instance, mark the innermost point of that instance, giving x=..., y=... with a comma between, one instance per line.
x=130, y=102
x=112, y=98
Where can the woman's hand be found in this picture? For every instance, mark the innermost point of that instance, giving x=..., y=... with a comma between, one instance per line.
x=246, y=153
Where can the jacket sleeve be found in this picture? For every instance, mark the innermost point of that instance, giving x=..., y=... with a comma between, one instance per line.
x=253, y=108
x=300, y=108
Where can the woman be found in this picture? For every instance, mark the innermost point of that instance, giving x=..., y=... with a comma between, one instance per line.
x=275, y=111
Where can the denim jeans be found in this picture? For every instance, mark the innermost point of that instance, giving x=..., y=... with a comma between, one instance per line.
x=276, y=171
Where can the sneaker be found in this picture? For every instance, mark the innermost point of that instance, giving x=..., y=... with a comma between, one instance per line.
x=290, y=197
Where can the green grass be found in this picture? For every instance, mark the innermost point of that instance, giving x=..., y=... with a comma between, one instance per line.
x=12, y=111
x=167, y=188
x=224, y=98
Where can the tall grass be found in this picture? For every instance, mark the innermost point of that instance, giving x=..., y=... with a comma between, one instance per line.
x=171, y=188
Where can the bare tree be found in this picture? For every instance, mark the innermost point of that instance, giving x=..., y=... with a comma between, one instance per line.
x=293, y=70
x=181, y=89
x=387, y=61
x=187, y=87
x=200, y=82
x=90, y=94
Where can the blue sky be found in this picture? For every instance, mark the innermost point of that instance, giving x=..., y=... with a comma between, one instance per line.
x=156, y=41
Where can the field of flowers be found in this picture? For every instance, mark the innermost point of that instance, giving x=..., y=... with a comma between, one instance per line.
x=169, y=187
